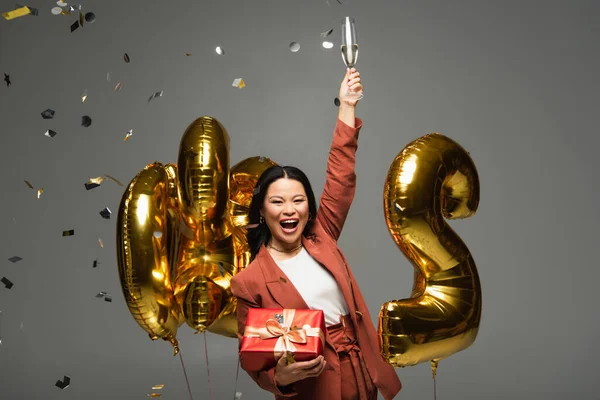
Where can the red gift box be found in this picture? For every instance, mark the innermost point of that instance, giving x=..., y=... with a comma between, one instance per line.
x=270, y=332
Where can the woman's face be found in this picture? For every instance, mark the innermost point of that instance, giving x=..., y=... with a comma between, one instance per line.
x=285, y=210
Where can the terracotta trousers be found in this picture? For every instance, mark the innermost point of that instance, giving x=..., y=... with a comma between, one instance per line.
x=356, y=382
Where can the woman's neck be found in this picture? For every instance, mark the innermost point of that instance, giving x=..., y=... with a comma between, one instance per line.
x=284, y=252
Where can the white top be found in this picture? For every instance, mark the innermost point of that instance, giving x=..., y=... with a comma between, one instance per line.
x=316, y=285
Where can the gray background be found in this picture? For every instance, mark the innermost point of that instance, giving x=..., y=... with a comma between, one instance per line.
x=515, y=82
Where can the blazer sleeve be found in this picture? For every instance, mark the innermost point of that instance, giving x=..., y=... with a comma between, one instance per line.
x=340, y=179
x=264, y=379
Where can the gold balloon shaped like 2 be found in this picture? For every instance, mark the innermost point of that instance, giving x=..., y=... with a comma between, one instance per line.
x=181, y=235
x=432, y=178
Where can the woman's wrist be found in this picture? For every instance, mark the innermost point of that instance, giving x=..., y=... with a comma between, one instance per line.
x=347, y=114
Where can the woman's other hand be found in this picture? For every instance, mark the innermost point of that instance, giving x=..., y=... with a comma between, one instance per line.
x=350, y=83
x=286, y=374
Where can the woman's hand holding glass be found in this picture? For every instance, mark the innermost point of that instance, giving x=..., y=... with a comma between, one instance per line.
x=351, y=84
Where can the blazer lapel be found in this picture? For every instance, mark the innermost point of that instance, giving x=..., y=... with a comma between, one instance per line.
x=279, y=285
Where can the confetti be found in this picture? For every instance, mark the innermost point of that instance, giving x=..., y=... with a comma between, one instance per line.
x=84, y=95
x=19, y=12
x=90, y=17
x=188, y=54
x=34, y=11
x=118, y=87
x=157, y=234
x=56, y=10
x=100, y=241
x=294, y=47
x=50, y=133
x=108, y=77
x=94, y=183
x=86, y=121
x=114, y=179
x=64, y=383
x=126, y=57
x=327, y=45
x=128, y=135
x=336, y=101
x=95, y=264
x=81, y=19
x=157, y=387
x=239, y=83
x=7, y=79
x=61, y=3
x=48, y=113
x=70, y=232
x=74, y=7
x=105, y=213
x=238, y=396
x=154, y=395
x=156, y=94
x=7, y=284
x=39, y=193
x=28, y=184
x=74, y=25
x=220, y=50
x=325, y=34
x=15, y=259
x=107, y=297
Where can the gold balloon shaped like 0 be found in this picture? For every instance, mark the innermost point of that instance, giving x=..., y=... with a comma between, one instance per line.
x=432, y=178
x=242, y=181
x=145, y=228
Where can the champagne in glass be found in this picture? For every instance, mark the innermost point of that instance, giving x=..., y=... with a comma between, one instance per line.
x=350, y=51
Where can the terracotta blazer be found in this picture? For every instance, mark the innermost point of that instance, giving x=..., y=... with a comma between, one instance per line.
x=263, y=284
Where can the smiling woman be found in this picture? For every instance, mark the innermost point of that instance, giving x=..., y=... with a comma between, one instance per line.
x=296, y=264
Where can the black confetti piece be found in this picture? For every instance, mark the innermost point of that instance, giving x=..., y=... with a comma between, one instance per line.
x=86, y=121
x=7, y=79
x=126, y=58
x=15, y=259
x=96, y=263
x=8, y=284
x=48, y=114
x=74, y=25
x=336, y=101
x=70, y=232
x=90, y=17
x=105, y=213
x=64, y=383
x=50, y=133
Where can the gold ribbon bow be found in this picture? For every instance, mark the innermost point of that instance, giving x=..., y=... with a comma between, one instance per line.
x=285, y=334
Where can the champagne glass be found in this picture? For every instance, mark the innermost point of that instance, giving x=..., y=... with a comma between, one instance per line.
x=350, y=52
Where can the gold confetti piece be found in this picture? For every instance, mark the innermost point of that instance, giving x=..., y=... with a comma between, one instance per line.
x=29, y=184
x=114, y=179
x=84, y=96
x=70, y=232
x=188, y=54
x=239, y=83
x=157, y=387
x=100, y=241
x=40, y=191
x=128, y=135
x=16, y=13
x=93, y=183
x=118, y=87
x=154, y=395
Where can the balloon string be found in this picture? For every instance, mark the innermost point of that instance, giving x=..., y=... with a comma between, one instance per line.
x=237, y=374
x=434, y=366
x=207, y=367
x=185, y=374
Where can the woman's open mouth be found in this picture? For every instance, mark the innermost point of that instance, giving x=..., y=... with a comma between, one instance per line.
x=289, y=225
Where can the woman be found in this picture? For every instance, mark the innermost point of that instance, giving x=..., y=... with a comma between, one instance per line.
x=296, y=264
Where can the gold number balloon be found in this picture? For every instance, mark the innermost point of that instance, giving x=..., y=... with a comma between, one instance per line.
x=242, y=180
x=144, y=228
x=181, y=235
x=432, y=178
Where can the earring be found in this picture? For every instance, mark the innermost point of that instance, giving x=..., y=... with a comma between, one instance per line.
x=261, y=220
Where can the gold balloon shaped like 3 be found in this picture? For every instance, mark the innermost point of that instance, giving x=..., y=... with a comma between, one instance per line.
x=143, y=230
x=432, y=178
x=193, y=235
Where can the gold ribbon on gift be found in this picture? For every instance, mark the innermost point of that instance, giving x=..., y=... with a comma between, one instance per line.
x=284, y=332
